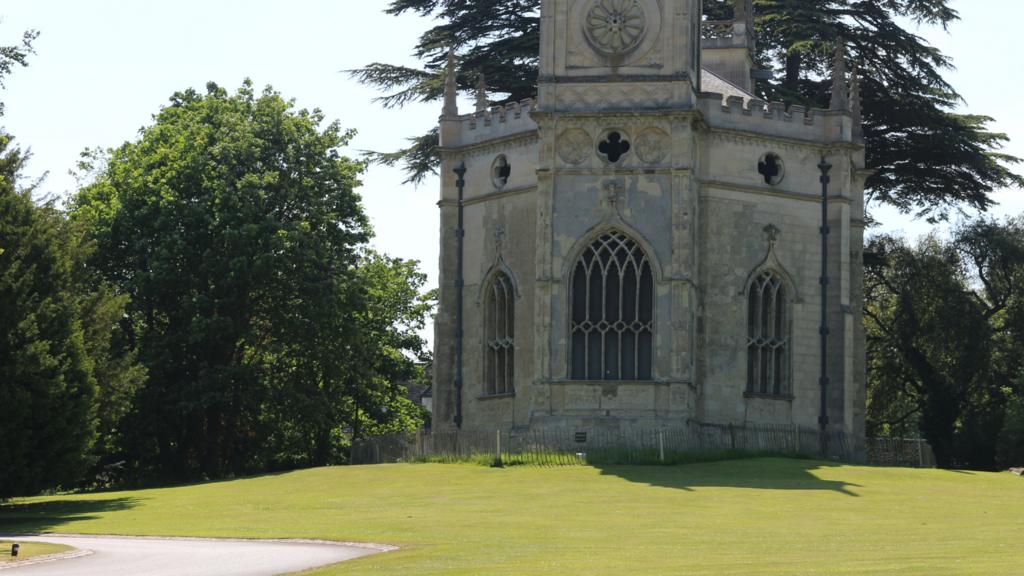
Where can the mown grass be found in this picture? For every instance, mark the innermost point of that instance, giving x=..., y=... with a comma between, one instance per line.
x=744, y=517
x=28, y=550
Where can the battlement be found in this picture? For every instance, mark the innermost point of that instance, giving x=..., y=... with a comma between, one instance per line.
x=773, y=119
x=494, y=123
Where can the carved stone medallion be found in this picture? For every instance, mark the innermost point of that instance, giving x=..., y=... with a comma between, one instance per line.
x=652, y=145
x=574, y=145
x=615, y=27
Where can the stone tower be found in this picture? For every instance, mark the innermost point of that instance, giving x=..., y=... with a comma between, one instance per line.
x=641, y=243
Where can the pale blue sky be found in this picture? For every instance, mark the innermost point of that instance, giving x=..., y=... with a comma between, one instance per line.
x=105, y=66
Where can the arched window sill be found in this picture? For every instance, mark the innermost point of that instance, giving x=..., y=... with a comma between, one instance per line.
x=782, y=397
x=496, y=396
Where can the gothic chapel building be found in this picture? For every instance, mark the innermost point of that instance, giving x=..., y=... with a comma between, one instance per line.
x=642, y=244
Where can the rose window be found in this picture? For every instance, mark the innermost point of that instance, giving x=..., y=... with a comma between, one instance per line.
x=615, y=27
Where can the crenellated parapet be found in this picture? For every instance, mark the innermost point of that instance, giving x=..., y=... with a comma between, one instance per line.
x=774, y=119
x=495, y=123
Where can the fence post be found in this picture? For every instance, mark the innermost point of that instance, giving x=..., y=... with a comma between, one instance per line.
x=499, y=447
x=661, y=446
x=920, y=453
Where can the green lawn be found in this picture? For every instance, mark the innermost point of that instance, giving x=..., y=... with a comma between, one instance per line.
x=28, y=550
x=745, y=517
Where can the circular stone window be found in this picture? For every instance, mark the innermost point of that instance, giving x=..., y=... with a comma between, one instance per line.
x=500, y=171
x=771, y=168
x=615, y=27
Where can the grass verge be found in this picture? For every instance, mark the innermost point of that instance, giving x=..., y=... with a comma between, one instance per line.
x=770, y=516
x=29, y=550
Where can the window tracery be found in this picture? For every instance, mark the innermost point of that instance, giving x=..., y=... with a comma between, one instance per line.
x=767, y=337
x=499, y=327
x=612, y=311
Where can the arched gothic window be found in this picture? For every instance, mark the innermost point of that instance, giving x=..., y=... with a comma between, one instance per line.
x=500, y=315
x=612, y=317
x=767, y=337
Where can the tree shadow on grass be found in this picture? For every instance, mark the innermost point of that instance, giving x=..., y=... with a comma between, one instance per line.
x=41, y=517
x=753, y=473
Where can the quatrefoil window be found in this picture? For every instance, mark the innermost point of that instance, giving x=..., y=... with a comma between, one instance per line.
x=614, y=147
x=771, y=168
x=500, y=171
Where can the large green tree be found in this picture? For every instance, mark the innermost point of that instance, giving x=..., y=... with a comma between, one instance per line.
x=64, y=374
x=927, y=157
x=944, y=338
x=1011, y=438
x=388, y=325
x=233, y=225
x=46, y=379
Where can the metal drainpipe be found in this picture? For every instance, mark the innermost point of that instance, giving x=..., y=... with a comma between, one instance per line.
x=460, y=238
x=825, y=167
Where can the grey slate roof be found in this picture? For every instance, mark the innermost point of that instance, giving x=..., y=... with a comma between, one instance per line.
x=711, y=82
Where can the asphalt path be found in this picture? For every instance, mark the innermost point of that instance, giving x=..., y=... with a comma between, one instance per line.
x=122, y=556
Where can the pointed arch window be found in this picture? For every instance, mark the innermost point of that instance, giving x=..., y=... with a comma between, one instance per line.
x=612, y=311
x=767, y=337
x=499, y=330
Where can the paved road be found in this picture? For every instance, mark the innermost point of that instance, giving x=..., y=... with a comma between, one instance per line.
x=116, y=556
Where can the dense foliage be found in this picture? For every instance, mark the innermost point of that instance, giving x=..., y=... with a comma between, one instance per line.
x=63, y=373
x=925, y=156
x=233, y=227
x=945, y=322
x=206, y=306
x=46, y=379
x=1011, y=438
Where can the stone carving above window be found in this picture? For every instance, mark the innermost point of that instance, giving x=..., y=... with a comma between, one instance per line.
x=652, y=145
x=615, y=27
x=614, y=192
x=499, y=237
x=574, y=146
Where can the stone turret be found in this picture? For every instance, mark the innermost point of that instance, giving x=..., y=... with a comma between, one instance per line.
x=482, y=102
x=840, y=96
x=650, y=47
x=450, y=124
x=855, y=106
x=729, y=53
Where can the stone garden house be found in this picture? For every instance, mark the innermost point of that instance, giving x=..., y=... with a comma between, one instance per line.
x=642, y=243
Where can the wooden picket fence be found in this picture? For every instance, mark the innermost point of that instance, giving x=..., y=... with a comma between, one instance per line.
x=572, y=447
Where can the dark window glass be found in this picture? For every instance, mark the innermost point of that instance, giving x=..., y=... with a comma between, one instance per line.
x=612, y=312
x=767, y=337
x=500, y=337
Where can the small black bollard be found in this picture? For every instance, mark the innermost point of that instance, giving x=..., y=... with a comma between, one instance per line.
x=14, y=550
